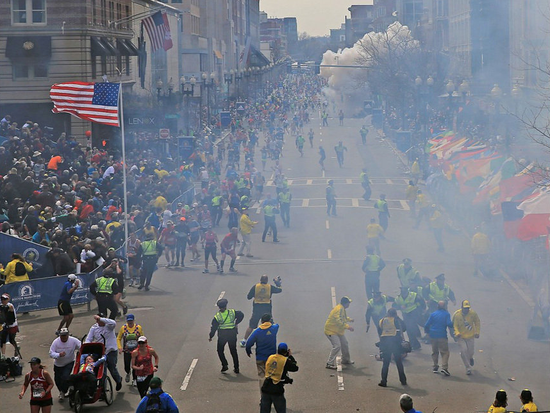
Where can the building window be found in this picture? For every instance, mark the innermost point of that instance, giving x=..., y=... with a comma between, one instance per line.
x=28, y=11
x=29, y=71
x=177, y=1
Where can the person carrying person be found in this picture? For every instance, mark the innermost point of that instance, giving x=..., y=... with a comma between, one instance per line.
x=41, y=384
x=261, y=295
x=390, y=330
x=127, y=341
x=225, y=324
x=63, y=350
x=265, y=340
x=335, y=327
x=142, y=364
x=277, y=367
x=157, y=399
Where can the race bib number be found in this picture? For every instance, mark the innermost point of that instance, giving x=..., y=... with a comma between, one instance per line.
x=37, y=393
x=141, y=378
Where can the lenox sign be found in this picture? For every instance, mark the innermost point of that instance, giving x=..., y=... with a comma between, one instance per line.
x=141, y=121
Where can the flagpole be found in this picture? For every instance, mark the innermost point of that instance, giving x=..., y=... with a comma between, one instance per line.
x=127, y=215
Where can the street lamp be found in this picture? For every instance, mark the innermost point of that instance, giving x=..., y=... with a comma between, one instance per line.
x=208, y=82
x=238, y=78
x=160, y=84
x=187, y=90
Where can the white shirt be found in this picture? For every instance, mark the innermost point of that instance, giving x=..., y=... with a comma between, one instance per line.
x=69, y=347
x=109, y=171
x=108, y=331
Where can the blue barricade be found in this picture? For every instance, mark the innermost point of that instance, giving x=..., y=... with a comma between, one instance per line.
x=34, y=253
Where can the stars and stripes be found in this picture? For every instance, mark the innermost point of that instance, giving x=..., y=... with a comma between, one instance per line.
x=96, y=102
x=158, y=30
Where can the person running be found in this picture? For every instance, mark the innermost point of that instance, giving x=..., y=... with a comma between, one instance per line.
x=127, y=341
x=63, y=350
x=228, y=245
x=436, y=328
x=64, y=303
x=365, y=183
x=374, y=233
x=41, y=387
x=168, y=239
x=340, y=149
x=364, y=132
x=225, y=324
x=322, y=158
x=246, y=225
x=372, y=266
x=411, y=193
x=467, y=327
x=310, y=135
x=152, y=250
x=181, y=231
x=210, y=248
x=300, y=144
x=142, y=364
x=134, y=258
x=331, y=198
x=265, y=339
x=157, y=399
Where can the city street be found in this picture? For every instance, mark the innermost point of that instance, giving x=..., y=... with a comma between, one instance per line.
x=319, y=259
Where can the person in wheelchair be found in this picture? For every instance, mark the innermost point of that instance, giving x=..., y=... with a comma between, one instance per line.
x=86, y=378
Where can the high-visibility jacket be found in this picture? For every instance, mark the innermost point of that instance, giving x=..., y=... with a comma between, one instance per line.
x=408, y=304
x=216, y=201
x=407, y=277
x=363, y=177
x=274, y=367
x=436, y=220
x=284, y=197
x=262, y=294
x=437, y=294
x=149, y=248
x=226, y=319
x=378, y=308
x=268, y=211
x=381, y=205
x=422, y=201
x=415, y=168
x=105, y=285
x=411, y=193
x=373, y=263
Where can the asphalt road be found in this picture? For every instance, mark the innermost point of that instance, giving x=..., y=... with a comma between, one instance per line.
x=319, y=257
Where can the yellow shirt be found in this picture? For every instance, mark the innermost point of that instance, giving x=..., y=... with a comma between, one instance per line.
x=411, y=193
x=529, y=407
x=374, y=230
x=337, y=322
x=9, y=271
x=494, y=409
x=481, y=244
x=160, y=202
x=466, y=326
x=246, y=224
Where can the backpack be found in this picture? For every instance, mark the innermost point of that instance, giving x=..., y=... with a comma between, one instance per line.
x=20, y=269
x=153, y=403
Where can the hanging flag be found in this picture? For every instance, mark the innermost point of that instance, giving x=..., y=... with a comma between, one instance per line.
x=96, y=102
x=158, y=29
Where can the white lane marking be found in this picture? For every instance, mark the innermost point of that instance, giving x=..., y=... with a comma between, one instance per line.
x=348, y=181
x=219, y=298
x=339, y=373
x=269, y=183
x=333, y=296
x=520, y=291
x=404, y=205
x=389, y=181
x=309, y=181
x=327, y=225
x=354, y=202
x=256, y=205
x=329, y=254
x=289, y=181
x=323, y=173
x=187, y=378
x=305, y=202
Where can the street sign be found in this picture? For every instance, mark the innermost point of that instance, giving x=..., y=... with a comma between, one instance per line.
x=225, y=118
x=164, y=133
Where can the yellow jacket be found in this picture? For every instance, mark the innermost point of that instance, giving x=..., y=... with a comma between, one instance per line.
x=411, y=193
x=337, y=322
x=374, y=230
x=246, y=224
x=466, y=326
x=9, y=271
x=436, y=220
x=481, y=244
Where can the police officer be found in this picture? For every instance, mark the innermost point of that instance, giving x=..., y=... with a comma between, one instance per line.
x=104, y=289
x=407, y=274
x=390, y=330
x=383, y=212
x=376, y=308
x=372, y=266
x=438, y=291
x=284, y=202
x=261, y=293
x=365, y=183
x=225, y=323
x=216, y=209
x=269, y=219
x=152, y=250
x=412, y=306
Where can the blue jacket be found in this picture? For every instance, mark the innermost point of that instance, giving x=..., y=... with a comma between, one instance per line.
x=265, y=338
x=168, y=404
x=437, y=324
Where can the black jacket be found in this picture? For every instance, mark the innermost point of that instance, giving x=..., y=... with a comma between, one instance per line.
x=271, y=388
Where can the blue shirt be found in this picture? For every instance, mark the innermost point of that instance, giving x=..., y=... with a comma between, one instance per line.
x=167, y=403
x=65, y=295
x=437, y=324
x=265, y=340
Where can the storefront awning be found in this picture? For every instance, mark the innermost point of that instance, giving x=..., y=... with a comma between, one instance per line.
x=29, y=46
x=102, y=47
x=218, y=54
x=126, y=47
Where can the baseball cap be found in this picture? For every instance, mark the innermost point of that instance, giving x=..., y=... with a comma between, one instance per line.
x=130, y=317
x=155, y=382
x=5, y=297
x=466, y=304
x=440, y=277
x=71, y=277
x=222, y=303
x=64, y=331
x=282, y=347
x=142, y=339
x=345, y=299
x=35, y=360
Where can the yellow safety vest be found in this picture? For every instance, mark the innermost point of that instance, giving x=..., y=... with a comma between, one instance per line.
x=362, y=177
x=437, y=294
x=380, y=205
x=216, y=201
x=387, y=324
x=274, y=367
x=268, y=211
x=149, y=247
x=105, y=285
x=226, y=319
x=378, y=308
x=262, y=294
x=408, y=304
x=284, y=198
x=374, y=263
x=406, y=277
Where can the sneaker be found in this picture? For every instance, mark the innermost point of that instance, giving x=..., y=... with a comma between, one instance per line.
x=221, y=270
x=224, y=369
x=205, y=271
x=348, y=362
x=471, y=362
x=68, y=393
x=468, y=372
x=134, y=383
x=61, y=396
x=147, y=288
x=140, y=287
x=249, y=256
x=436, y=369
x=127, y=379
x=242, y=343
x=240, y=254
x=331, y=366
x=125, y=310
x=168, y=265
x=275, y=240
x=231, y=269
x=119, y=385
x=382, y=384
x=445, y=372
x=237, y=371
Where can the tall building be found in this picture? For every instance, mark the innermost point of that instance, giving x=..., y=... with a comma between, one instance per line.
x=359, y=23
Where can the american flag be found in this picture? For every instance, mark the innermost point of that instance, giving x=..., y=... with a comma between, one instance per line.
x=96, y=102
x=158, y=29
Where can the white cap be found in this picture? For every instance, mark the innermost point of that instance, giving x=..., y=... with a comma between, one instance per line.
x=71, y=277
